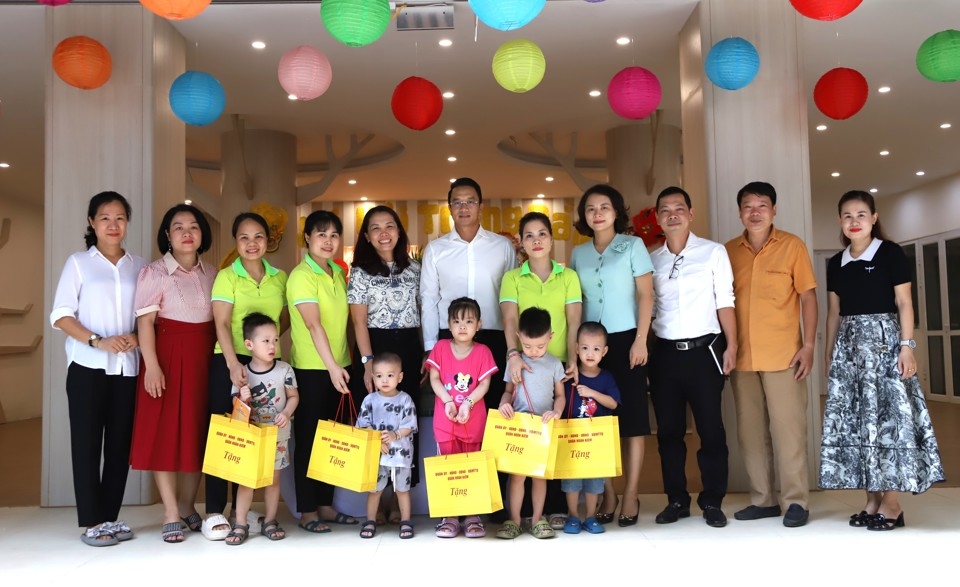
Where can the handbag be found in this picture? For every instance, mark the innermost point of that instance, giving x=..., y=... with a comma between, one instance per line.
x=522, y=445
x=240, y=452
x=463, y=484
x=343, y=455
x=587, y=448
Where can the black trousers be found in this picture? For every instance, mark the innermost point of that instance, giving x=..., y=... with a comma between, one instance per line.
x=220, y=402
x=318, y=401
x=679, y=378
x=100, y=408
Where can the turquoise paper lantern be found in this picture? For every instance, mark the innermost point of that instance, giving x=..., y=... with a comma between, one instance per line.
x=938, y=58
x=355, y=23
x=197, y=98
x=506, y=15
x=732, y=63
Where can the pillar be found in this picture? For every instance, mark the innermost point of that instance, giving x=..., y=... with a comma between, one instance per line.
x=640, y=164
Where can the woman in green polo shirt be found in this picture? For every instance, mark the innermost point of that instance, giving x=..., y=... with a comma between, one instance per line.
x=249, y=284
x=318, y=328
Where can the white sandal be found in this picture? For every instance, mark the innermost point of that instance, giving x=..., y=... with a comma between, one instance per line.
x=207, y=529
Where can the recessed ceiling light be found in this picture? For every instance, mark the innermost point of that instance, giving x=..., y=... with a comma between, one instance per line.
x=873, y=190
x=450, y=132
x=451, y=159
x=448, y=95
x=884, y=153
x=541, y=196
x=258, y=45
x=883, y=89
x=921, y=173
x=623, y=41
x=352, y=181
x=835, y=174
x=549, y=178
x=363, y=198
x=4, y=165
x=595, y=93
x=445, y=42
x=453, y=179
x=946, y=125
x=291, y=96
x=821, y=127
x=188, y=202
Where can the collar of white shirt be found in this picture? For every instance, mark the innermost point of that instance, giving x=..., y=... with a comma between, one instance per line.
x=867, y=255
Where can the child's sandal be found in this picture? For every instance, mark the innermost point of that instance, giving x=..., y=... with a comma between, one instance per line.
x=272, y=530
x=238, y=535
x=368, y=529
x=406, y=529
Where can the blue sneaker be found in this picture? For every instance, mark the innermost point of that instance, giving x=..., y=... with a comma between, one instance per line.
x=573, y=525
x=592, y=526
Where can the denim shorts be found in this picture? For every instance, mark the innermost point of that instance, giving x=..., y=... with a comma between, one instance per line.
x=591, y=486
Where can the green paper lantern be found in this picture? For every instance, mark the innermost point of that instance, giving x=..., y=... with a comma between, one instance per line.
x=938, y=58
x=355, y=23
x=518, y=65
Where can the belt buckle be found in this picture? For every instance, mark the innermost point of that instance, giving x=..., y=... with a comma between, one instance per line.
x=683, y=345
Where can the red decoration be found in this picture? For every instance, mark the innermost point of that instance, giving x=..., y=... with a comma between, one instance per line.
x=417, y=103
x=841, y=93
x=343, y=265
x=82, y=62
x=825, y=9
x=646, y=227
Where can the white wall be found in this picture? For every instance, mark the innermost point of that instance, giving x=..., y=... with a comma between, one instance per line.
x=931, y=209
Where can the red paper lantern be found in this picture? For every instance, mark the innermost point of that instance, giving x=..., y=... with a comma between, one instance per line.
x=841, y=92
x=175, y=9
x=825, y=9
x=646, y=227
x=417, y=103
x=82, y=62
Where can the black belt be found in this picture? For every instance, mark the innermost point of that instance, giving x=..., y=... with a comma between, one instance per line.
x=690, y=343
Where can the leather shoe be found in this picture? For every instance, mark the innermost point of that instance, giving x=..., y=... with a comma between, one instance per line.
x=796, y=516
x=714, y=517
x=754, y=512
x=672, y=513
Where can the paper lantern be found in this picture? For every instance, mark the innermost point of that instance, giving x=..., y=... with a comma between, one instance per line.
x=645, y=226
x=938, y=58
x=82, y=62
x=416, y=103
x=634, y=93
x=197, y=98
x=175, y=9
x=54, y=2
x=304, y=72
x=355, y=23
x=518, y=65
x=732, y=63
x=506, y=15
x=841, y=92
x=825, y=9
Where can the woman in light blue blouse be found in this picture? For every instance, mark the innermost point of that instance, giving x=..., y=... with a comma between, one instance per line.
x=616, y=277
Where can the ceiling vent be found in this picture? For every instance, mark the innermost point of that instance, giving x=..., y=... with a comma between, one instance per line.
x=424, y=17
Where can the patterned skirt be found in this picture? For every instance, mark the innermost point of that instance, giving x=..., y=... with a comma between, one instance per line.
x=877, y=433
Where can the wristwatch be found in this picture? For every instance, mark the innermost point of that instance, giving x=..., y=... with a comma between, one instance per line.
x=94, y=339
x=366, y=359
x=909, y=343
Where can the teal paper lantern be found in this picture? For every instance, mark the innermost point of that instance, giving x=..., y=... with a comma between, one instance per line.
x=355, y=23
x=938, y=58
x=197, y=98
x=519, y=65
x=732, y=63
x=506, y=15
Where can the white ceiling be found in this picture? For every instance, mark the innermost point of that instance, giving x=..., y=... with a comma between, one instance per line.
x=577, y=37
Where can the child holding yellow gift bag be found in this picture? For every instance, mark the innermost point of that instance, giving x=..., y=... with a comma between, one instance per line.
x=271, y=393
x=596, y=395
x=393, y=413
x=540, y=392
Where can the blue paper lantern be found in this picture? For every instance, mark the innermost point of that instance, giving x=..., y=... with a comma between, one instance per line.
x=197, y=98
x=732, y=63
x=506, y=15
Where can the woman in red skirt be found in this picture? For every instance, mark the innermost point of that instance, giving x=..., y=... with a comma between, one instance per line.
x=175, y=324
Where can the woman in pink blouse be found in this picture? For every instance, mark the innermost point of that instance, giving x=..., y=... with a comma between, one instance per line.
x=175, y=323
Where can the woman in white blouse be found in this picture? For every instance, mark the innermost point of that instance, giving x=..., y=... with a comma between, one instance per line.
x=94, y=307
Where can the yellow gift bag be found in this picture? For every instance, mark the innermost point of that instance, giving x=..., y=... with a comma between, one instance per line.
x=345, y=456
x=587, y=448
x=240, y=452
x=522, y=445
x=462, y=485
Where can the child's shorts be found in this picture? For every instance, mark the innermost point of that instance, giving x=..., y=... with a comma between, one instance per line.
x=282, y=460
x=591, y=486
x=399, y=475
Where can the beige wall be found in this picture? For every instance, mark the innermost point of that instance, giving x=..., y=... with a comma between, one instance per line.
x=931, y=209
x=21, y=395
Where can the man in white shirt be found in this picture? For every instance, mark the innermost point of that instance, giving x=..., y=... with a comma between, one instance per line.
x=468, y=261
x=695, y=347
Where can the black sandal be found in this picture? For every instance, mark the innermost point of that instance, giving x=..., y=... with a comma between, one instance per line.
x=861, y=520
x=273, y=531
x=882, y=523
x=406, y=529
x=239, y=534
x=194, y=522
x=368, y=529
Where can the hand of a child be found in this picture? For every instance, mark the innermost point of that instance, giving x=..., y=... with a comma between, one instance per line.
x=450, y=409
x=549, y=415
x=585, y=392
x=463, y=415
x=245, y=394
x=506, y=410
x=388, y=436
x=281, y=420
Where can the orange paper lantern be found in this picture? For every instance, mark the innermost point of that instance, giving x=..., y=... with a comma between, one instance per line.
x=175, y=9
x=82, y=62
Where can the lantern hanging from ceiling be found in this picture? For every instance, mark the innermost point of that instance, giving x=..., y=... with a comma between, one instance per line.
x=938, y=58
x=634, y=93
x=519, y=65
x=355, y=23
x=732, y=63
x=82, y=62
x=841, y=92
x=506, y=15
x=54, y=2
x=825, y=9
x=304, y=72
x=416, y=103
x=175, y=9
x=197, y=98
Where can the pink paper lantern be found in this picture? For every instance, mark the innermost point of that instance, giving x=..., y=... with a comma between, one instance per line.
x=54, y=2
x=304, y=72
x=417, y=103
x=634, y=93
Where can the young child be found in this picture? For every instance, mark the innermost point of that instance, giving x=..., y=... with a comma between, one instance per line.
x=460, y=371
x=595, y=395
x=271, y=393
x=393, y=413
x=540, y=392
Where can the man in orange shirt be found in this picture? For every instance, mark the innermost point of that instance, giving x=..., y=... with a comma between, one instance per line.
x=774, y=287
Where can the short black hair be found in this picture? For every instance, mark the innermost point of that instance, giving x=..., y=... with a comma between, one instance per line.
x=206, y=235
x=461, y=306
x=531, y=216
x=757, y=188
x=592, y=328
x=388, y=358
x=90, y=237
x=249, y=216
x=321, y=220
x=620, y=223
x=534, y=322
x=465, y=182
x=255, y=320
x=672, y=191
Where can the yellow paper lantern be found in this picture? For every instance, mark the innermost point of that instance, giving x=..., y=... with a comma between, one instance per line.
x=518, y=65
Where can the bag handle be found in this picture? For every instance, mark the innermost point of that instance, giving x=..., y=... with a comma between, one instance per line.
x=525, y=393
x=350, y=412
x=570, y=402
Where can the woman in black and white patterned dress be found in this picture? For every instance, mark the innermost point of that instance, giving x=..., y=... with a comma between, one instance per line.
x=877, y=433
